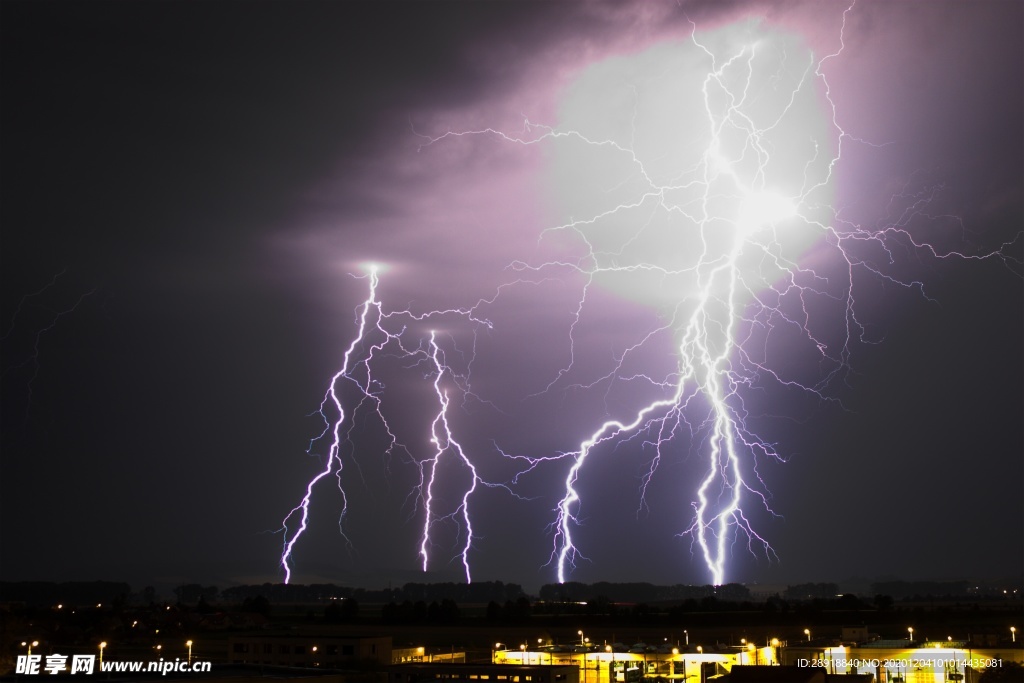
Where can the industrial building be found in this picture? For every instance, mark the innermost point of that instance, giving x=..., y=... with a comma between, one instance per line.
x=619, y=664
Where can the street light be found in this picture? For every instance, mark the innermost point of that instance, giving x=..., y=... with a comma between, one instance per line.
x=807, y=632
x=31, y=645
x=189, y=644
x=1013, y=633
x=580, y=633
x=687, y=635
x=751, y=648
x=910, y=630
x=103, y=646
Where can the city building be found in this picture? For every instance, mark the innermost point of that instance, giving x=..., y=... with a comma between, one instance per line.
x=618, y=664
x=421, y=654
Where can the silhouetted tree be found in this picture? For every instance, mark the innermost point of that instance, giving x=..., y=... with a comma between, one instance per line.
x=256, y=605
x=342, y=611
x=849, y=601
x=449, y=611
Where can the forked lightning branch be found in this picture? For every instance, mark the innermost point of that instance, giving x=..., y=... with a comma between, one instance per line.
x=717, y=156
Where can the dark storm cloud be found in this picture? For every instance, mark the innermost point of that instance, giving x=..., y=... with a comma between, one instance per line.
x=217, y=171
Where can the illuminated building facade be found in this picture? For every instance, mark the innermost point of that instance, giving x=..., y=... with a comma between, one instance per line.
x=611, y=665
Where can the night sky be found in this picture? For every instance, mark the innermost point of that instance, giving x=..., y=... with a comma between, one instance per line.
x=191, y=193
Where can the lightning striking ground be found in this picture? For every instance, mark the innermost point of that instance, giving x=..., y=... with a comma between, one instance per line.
x=332, y=463
x=372, y=339
x=441, y=437
x=711, y=371
x=751, y=198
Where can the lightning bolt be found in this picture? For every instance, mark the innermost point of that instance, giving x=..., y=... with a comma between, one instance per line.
x=373, y=336
x=714, y=361
x=743, y=285
x=746, y=287
x=709, y=371
x=441, y=437
x=331, y=402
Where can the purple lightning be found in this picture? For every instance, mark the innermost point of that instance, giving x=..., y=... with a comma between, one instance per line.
x=357, y=369
x=333, y=463
x=441, y=437
x=757, y=180
x=718, y=226
x=712, y=368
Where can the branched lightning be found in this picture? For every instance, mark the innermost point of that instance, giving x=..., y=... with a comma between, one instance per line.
x=373, y=336
x=711, y=368
x=743, y=284
x=333, y=463
x=441, y=437
x=718, y=355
